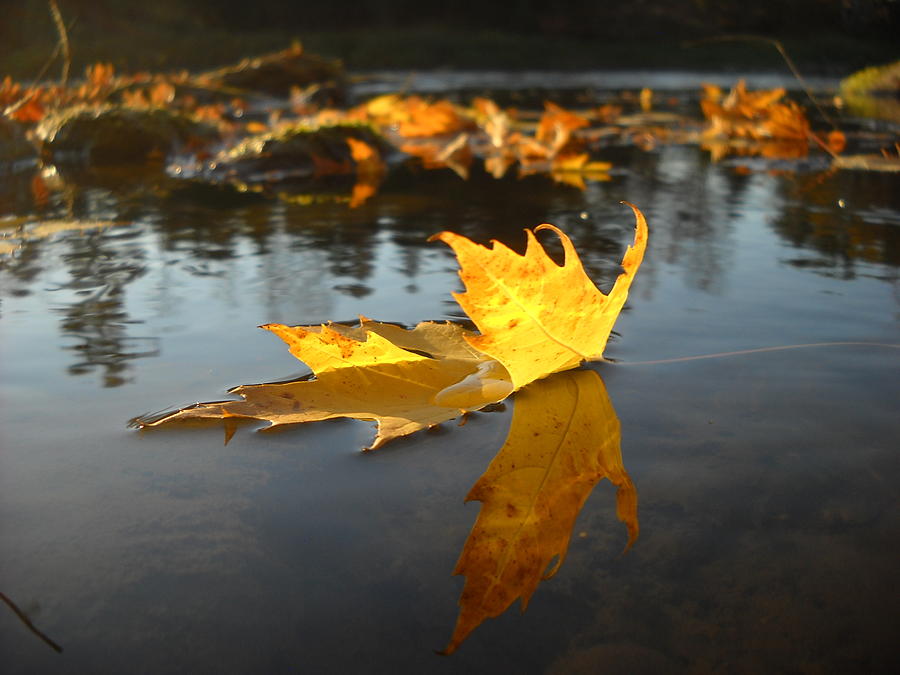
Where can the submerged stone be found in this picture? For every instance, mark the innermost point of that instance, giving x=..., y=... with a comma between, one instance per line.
x=297, y=152
x=118, y=134
x=277, y=73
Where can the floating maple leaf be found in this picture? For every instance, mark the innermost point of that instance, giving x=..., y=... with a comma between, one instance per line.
x=564, y=438
x=537, y=317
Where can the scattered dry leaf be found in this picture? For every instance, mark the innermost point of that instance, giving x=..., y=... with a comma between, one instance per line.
x=779, y=126
x=556, y=126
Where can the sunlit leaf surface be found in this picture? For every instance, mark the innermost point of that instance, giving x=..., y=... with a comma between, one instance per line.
x=535, y=316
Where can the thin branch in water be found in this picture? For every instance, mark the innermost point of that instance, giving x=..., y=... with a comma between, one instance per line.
x=30, y=626
x=759, y=350
x=63, y=42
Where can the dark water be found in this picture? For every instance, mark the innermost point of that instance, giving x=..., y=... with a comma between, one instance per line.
x=767, y=482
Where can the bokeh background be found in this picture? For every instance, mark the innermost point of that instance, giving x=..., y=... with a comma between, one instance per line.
x=824, y=36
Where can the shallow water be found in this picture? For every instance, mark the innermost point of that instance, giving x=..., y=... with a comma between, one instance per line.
x=767, y=481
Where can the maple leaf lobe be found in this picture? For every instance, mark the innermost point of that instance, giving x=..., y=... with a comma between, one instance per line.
x=536, y=317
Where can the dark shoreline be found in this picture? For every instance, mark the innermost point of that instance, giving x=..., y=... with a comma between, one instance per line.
x=158, y=49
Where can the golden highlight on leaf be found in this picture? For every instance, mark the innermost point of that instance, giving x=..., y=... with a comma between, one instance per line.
x=324, y=348
x=563, y=439
x=535, y=316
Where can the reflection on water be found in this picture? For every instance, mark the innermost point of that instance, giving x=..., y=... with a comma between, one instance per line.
x=768, y=482
x=839, y=218
x=564, y=437
x=835, y=241
x=100, y=267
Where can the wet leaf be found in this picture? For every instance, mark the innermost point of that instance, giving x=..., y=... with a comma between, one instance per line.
x=556, y=126
x=536, y=317
x=780, y=128
x=564, y=438
x=413, y=116
x=362, y=374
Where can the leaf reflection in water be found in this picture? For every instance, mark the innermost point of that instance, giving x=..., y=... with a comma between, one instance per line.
x=563, y=439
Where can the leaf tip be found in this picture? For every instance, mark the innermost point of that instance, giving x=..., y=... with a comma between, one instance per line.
x=568, y=247
x=641, y=222
x=548, y=226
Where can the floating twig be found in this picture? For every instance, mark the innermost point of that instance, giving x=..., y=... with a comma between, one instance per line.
x=24, y=619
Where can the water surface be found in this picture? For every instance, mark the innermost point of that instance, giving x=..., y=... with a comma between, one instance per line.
x=767, y=481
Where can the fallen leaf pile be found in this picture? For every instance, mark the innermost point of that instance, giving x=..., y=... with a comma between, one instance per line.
x=760, y=121
x=494, y=136
x=535, y=319
x=218, y=126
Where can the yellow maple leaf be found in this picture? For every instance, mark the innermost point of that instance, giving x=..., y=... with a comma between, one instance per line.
x=563, y=439
x=536, y=317
x=399, y=396
x=323, y=348
x=363, y=373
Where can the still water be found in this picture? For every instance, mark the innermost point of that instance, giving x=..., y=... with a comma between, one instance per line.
x=767, y=482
